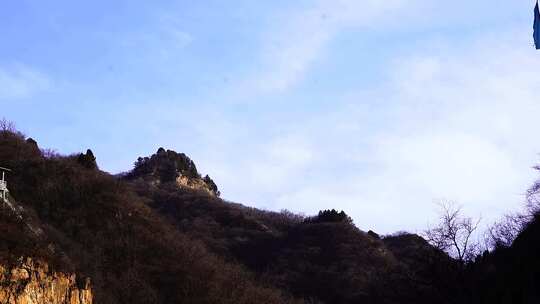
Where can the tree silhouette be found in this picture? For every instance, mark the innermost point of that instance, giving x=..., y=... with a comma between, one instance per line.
x=331, y=216
x=453, y=233
x=87, y=160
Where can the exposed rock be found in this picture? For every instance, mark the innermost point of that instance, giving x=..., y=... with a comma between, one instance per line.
x=32, y=282
x=194, y=184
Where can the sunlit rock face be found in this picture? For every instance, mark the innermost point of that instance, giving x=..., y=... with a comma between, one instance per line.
x=32, y=282
x=194, y=184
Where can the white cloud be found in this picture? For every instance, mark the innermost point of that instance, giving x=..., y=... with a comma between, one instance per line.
x=164, y=40
x=467, y=126
x=457, y=124
x=20, y=82
x=456, y=120
x=280, y=160
x=299, y=39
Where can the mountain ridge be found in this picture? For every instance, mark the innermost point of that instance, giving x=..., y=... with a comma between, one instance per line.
x=142, y=237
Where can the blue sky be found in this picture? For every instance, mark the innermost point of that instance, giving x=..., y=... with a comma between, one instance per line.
x=379, y=108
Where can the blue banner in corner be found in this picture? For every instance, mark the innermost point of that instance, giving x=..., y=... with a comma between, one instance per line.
x=537, y=26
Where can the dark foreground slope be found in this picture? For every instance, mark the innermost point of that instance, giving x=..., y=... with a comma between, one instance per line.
x=97, y=226
x=322, y=258
x=161, y=234
x=509, y=274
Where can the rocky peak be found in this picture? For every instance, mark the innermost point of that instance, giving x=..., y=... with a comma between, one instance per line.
x=169, y=166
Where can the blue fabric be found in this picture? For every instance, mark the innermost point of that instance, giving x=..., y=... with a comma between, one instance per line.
x=537, y=27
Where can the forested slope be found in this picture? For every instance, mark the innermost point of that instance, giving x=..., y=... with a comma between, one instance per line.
x=151, y=236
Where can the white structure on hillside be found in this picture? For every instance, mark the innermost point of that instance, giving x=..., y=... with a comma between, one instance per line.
x=3, y=184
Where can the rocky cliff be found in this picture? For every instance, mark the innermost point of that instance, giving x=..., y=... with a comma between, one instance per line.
x=194, y=184
x=167, y=166
x=31, y=282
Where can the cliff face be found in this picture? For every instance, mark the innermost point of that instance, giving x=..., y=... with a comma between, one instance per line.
x=32, y=282
x=194, y=184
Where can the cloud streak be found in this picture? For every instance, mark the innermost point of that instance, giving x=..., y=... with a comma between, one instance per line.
x=19, y=82
x=299, y=39
x=453, y=124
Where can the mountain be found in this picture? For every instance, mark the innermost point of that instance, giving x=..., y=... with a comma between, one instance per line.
x=96, y=226
x=160, y=233
x=509, y=274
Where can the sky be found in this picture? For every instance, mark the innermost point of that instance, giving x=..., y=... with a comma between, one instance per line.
x=378, y=108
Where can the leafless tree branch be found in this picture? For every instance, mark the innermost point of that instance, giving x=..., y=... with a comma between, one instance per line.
x=453, y=232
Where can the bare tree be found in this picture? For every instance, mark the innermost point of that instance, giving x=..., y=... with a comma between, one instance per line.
x=533, y=196
x=453, y=234
x=504, y=232
x=50, y=153
x=6, y=125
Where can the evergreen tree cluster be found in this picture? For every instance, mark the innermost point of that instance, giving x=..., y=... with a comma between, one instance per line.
x=167, y=165
x=331, y=216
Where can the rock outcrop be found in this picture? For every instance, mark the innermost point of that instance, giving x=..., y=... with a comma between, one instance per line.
x=166, y=166
x=195, y=184
x=32, y=282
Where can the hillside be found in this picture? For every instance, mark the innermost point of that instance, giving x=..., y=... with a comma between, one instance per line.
x=103, y=230
x=161, y=234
